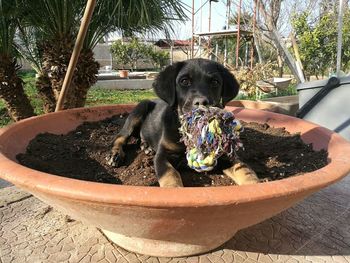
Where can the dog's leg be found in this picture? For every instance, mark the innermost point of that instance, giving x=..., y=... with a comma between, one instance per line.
x=241, y=173
x=166, y=173
x=133, y=122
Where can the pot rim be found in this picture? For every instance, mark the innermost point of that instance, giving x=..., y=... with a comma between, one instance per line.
x=63, y=187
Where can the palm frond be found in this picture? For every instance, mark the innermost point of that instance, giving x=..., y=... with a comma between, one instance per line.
x=8, y=16
x=28, y=45
x=132, y=16
x=54, y=18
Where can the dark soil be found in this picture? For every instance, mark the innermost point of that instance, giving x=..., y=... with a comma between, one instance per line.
x=273, y=153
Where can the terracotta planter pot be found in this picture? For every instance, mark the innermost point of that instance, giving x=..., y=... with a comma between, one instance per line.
x=123, y=73
x=167, y=221
x=285, y=105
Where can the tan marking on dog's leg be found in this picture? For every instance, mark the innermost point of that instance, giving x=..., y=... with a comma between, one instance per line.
x=135, y=121
x=241, y=173
x=118, y=146
x=170, y=178
x=171, y=146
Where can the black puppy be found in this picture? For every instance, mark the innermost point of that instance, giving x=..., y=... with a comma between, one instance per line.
x=180, y=87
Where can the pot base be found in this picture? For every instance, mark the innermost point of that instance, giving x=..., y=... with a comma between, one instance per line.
x=156, y=248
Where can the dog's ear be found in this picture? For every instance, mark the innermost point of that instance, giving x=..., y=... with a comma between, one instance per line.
x=230, y=86
x=165, y=83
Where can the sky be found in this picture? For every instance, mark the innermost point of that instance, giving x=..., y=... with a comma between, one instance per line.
x=218, y=18
x=218, y=14
x=184, y=30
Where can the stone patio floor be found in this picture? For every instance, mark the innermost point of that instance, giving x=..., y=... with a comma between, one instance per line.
x=315, y=230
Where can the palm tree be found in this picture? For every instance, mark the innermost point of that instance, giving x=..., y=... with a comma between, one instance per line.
x=11, y=86
x=58, y=22
x=28, y=44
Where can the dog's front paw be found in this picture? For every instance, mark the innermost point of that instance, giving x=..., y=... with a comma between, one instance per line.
x=116, y=158
x=241, y=173
x=146, y=148
x=113, y=161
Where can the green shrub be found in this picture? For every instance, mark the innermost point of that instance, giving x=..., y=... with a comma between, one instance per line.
x=128, y=54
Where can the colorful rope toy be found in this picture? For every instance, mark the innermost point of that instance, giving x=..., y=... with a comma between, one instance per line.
x=208, y=133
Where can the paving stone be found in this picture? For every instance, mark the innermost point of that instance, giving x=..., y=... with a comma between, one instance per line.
x=227, y=256
x=160, y=260
x=338, y=193
x=69, y=246
x=6, y=258
x=59, y=257
x=4, y=184
x=192, y=260
x=40, y=250
x=99, y=254
x=215, y=258
x=122, y=260
x=293, y=260
x=11, y=195
x=86, y=259
x=316, y=230
x=42, y=257
x=204, y=259
x=238, y=258
x=77, y=257
x=143, y=258
x=110, y=255
x=289, y=231
x=265, y=258
x=341, y=259
x=132, y=258
x=19, y=259
x=334, y=241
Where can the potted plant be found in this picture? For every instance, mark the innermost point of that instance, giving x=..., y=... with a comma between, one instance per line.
x=120, y=53
x=168, y=221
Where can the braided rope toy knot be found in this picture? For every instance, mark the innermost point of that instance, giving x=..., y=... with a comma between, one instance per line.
x=208, y=133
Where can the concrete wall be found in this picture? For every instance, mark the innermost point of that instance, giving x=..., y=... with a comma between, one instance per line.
x=104, y=57
x=124, y=84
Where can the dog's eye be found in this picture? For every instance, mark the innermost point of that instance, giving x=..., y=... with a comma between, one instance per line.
x=215, y=82
x=185, y=82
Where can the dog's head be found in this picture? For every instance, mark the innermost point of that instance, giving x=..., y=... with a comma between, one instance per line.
x=195, y=82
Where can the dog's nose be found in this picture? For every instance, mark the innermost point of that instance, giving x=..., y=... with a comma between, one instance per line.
x=200, y=101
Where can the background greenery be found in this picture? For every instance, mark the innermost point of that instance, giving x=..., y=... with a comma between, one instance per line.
x=317, y=42
x=129, y=53
x=95, y=97
x=99, y=96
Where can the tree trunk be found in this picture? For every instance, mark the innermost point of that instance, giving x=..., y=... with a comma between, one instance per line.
x=85, y=77
x=289, y=59
x=270, y=20
x=299, y=65
x=257, y=46
x=280, y=64
x=11, y=90
x=57, y=54
x=44, y=89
